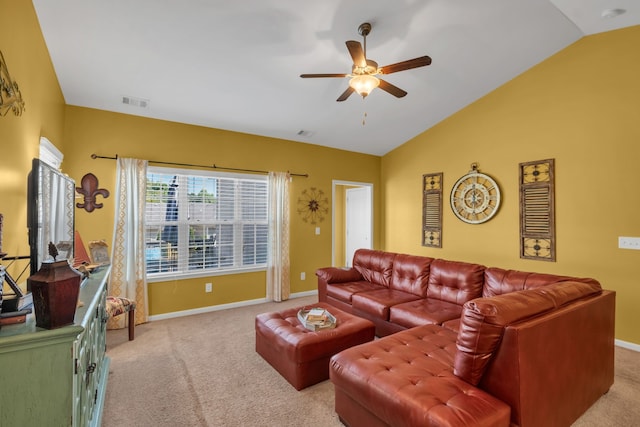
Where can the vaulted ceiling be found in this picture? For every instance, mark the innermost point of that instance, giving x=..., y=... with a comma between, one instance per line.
x=235, y=65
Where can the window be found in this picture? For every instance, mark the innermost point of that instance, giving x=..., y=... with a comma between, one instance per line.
x=201, y=223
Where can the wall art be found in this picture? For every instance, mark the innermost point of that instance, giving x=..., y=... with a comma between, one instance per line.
x=10, y=96
x=537, y=210
x=432, y=210
x=89, y=189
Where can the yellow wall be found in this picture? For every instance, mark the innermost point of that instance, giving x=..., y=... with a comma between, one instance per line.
x=28, y=61
x=580, y=107
x=90, y=131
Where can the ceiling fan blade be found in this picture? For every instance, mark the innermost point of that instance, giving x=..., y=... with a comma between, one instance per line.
x=406, y=65
x=345, y=94
x=307, y=76
x=357, y=54
x=393, y=90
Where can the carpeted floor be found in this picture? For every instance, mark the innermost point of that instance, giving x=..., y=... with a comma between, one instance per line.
x=203, y=370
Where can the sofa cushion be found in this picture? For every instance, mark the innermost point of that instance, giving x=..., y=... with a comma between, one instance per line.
x=375, y=266
x=453, y=325
x=410, y=273
x=498, y=281
x=454, y=281
x=378, y=302
x=424, y=311
x=345, y=291
x=405, y=379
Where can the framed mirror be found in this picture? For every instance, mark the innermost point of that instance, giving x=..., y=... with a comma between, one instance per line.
x=50, y=213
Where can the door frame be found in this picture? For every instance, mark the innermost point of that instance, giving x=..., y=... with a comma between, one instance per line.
x=335, y=183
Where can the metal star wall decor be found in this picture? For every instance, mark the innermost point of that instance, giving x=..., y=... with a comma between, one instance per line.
x=313, y=205
x=10, y=96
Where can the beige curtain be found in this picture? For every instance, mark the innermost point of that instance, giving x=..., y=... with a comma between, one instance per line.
x=128, y=267
x=278, y=281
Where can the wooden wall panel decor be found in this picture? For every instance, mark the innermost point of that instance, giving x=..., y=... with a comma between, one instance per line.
x=537, y=210
x=432, y=210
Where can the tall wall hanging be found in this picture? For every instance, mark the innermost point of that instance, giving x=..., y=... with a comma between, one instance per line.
x=432, y=210
x=537, y=210
x=10, y=96
x=475, y=197
x=313, y=205
x=89, y=189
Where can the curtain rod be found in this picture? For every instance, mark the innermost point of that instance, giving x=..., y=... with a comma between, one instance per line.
x=214, y=166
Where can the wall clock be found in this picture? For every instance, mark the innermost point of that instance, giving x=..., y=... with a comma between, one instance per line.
x=475, y=197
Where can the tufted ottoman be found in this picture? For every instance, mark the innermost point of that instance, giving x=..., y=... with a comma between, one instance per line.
x=302, y=356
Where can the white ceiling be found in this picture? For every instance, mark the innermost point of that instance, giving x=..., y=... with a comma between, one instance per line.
x=235, y=65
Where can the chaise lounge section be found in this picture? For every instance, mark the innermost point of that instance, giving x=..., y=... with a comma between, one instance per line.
x=482, y=347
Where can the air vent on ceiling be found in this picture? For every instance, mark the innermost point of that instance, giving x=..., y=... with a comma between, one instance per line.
x=305, y=133
x=135, y=102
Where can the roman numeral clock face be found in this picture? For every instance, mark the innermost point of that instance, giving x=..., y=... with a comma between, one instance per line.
x=475, y=198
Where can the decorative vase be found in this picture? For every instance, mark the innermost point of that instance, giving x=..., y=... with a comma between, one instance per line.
x=55, y=288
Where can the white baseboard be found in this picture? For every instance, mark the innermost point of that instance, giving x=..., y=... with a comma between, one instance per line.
x=209, y=309
x=628, y=345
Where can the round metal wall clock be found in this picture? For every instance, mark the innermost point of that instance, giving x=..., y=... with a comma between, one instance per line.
x=475, y=197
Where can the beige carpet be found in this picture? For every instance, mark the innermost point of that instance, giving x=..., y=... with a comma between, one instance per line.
x=203, y=370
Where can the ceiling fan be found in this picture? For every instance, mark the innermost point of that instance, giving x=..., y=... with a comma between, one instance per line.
x=364, y=71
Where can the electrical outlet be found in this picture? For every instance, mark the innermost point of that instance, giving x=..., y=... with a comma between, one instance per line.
x=303, y=275
x=629, y=242
x=317, y=231
x=208, y=287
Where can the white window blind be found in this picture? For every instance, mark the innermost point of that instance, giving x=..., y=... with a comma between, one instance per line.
x=200, y=222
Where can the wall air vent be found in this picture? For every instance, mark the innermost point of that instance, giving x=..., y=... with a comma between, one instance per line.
x=135, y=102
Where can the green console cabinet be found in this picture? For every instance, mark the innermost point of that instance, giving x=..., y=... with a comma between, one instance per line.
x=57, y=377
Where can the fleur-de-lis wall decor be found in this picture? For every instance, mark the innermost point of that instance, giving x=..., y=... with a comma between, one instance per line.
x=90, y=191
x=10, y=96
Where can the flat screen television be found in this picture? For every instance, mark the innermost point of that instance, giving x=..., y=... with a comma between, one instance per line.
x=50, y=213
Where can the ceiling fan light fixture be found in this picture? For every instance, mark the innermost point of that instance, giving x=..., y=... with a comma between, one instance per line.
x=364, y=84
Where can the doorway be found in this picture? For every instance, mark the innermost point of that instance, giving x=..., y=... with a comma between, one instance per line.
x=352, y=220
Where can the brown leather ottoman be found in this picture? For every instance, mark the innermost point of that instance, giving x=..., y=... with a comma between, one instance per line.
x=302, y=356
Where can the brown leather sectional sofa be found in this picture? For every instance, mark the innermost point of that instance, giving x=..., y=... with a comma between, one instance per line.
x=467, y=345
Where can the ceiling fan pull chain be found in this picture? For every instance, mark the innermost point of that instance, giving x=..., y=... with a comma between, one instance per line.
x=364, y=113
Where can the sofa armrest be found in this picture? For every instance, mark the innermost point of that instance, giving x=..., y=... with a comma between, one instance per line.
x=482, y=324
x=335, y=275
x=338, y=275
x=483, y=321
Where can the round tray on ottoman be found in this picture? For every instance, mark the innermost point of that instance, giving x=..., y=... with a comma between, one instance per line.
x=328, y=320
x=300, y=355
